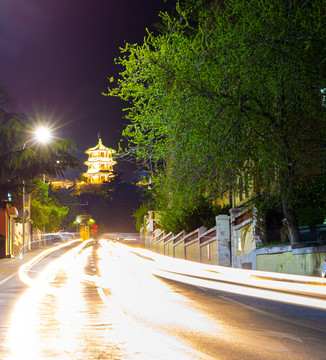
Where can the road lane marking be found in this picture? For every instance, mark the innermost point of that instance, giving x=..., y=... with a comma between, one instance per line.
x=7, y=278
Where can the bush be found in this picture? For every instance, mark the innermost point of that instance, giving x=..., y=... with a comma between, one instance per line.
x=200, y=213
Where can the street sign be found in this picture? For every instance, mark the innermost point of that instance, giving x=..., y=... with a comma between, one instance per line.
x=84, y=232
x=94, y=228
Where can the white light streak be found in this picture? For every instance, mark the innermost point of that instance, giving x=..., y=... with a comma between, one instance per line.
x=273, y=286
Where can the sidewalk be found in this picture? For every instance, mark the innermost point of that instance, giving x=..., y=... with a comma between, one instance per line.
x=9, y=266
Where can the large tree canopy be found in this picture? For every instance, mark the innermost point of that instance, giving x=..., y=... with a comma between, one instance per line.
x=231, y=89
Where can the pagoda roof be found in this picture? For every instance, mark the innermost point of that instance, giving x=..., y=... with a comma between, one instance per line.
x=99, y=146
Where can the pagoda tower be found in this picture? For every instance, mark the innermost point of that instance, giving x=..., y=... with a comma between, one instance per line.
x=100, y=164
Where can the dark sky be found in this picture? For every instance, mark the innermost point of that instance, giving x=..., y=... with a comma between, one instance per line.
x=56, y=56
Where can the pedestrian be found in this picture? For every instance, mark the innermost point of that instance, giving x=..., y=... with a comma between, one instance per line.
x=323, y=274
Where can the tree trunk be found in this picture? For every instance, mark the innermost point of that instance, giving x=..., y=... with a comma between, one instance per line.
x=290, y=222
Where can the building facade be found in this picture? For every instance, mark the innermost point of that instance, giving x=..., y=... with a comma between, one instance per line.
x=100, y=164
x=15, y=231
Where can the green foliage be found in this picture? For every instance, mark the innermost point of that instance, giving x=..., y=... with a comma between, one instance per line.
x=269, y=216
x=21, y=158
x=310, y=207
x=200, y=213
x=311, y=203
x=68, y=198
x=228, y=89
x=46, y=212
x=139, y=215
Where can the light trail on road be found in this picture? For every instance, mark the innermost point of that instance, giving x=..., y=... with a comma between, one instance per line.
x=289, y=288
x=61, y=316
x=109, y=302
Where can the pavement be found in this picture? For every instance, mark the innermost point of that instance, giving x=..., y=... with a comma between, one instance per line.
x=9, y=266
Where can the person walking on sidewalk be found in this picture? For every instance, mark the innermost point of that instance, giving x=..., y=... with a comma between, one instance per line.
x=323, y=274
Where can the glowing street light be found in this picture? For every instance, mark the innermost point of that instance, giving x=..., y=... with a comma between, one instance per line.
x=43, y=135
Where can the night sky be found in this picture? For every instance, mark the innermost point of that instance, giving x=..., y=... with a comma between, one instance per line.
x=56, y=56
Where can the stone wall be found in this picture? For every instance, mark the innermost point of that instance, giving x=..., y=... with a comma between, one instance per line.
x=300, y=261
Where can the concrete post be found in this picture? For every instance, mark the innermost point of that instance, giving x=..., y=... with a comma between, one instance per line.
x=149, y=229
x=234, y=212
x=223, y=240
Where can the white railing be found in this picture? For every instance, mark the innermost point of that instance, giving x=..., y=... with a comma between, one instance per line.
x=48, y=239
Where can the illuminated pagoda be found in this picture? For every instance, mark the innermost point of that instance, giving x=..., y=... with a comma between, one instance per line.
x=100, y=163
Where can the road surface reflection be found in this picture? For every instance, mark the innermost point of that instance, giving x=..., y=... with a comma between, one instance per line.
x=110, y=302
x=102, y=303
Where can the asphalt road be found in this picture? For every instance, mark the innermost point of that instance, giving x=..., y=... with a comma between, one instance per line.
x=103, y=302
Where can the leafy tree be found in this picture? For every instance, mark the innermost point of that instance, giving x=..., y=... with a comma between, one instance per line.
x=19, y=162
x=311, y=203
x=310, y=208
x=139, y=214
x=69, y=199
x=200, y=213
x=46, y=212
x=231, y=89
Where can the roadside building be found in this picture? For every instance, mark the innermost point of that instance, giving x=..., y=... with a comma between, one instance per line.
x=15, y=229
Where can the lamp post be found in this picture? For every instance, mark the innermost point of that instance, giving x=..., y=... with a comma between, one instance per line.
x=42, y=135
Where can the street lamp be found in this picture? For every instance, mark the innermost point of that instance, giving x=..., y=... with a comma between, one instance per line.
x=42, y=135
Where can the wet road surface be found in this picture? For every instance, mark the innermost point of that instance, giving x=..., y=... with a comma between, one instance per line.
x=103, y=302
